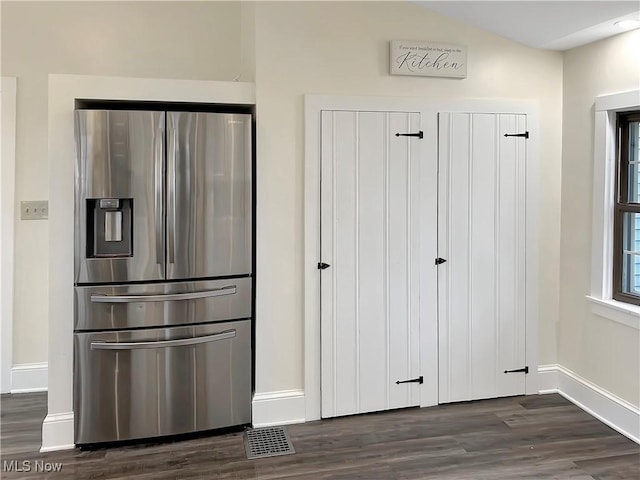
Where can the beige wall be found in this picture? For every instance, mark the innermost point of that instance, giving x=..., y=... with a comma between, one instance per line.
x=199, y=40
x=300, y=48
x=602, y=351
x=342, y=48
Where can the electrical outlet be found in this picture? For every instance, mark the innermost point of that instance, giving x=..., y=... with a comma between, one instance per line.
x=34, y=210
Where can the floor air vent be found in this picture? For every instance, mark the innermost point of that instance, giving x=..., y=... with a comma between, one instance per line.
x=267, y=442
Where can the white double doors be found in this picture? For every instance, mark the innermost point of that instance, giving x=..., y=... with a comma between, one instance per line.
x=381, y=256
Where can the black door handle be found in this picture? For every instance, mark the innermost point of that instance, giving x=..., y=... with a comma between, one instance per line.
x=420, y=379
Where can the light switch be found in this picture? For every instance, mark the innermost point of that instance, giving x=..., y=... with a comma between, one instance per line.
x=34, y=210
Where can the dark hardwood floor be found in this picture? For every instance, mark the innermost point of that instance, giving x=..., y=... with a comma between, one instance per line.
x=533, y=437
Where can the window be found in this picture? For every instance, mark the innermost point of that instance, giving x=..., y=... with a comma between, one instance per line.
x=626, y=238
x=616, y=296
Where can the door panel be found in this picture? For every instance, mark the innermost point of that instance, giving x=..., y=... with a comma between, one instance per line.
x=369, y=232
x=119, y=156
x=481, y=293
x=402, y=259
x=208, y=194
x=371, y=201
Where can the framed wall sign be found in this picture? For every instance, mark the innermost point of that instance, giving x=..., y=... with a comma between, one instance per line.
x=427, y=59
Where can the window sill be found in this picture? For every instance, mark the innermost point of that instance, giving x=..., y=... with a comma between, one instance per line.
x=621, y=312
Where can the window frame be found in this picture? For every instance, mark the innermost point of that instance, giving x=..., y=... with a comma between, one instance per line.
x=622, y=204
x=600, y=297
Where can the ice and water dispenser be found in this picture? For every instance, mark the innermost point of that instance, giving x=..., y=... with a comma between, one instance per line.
x=109, y=231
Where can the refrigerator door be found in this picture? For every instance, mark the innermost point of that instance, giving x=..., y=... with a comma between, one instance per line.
x=152, y=382
x=119, y=196
x=208, y=194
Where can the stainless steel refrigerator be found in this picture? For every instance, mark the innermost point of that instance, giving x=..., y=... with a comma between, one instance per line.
x=163, y=273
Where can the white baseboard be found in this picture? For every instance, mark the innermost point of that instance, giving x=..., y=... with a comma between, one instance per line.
x=57, y=432
x=548, y=379
x=278, y=408
x=29, y=377
x=605, y=406
x=269, y=409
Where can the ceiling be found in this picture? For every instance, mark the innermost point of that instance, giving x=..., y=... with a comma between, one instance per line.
x=556, y=25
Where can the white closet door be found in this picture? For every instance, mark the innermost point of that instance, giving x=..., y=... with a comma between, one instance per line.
x=370, y=239
x=481, y=234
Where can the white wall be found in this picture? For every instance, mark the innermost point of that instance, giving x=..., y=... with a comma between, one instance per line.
x=342, y=48
x=195, y=40
x=600, y=350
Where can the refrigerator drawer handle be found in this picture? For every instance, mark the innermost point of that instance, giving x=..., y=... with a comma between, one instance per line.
x=218, y=292
x=182, y=342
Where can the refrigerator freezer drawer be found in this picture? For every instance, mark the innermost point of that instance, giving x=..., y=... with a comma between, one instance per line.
x=165, y=381
x=161, y=304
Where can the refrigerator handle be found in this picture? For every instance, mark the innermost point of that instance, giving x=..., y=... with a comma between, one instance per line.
x=172, y=145
x=164, y=297
x=159, y=155
x=181, y=342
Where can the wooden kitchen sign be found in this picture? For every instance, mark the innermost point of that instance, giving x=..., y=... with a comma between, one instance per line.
x=427, y=59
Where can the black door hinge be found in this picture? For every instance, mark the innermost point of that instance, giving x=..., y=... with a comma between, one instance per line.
x=413, y=380
x=519, y=370
x=420, y=134
x=440, y=261
x=322, y=265
x=524, y=135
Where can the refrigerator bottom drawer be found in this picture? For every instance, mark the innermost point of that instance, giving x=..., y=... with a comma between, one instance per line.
x=148, y=383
